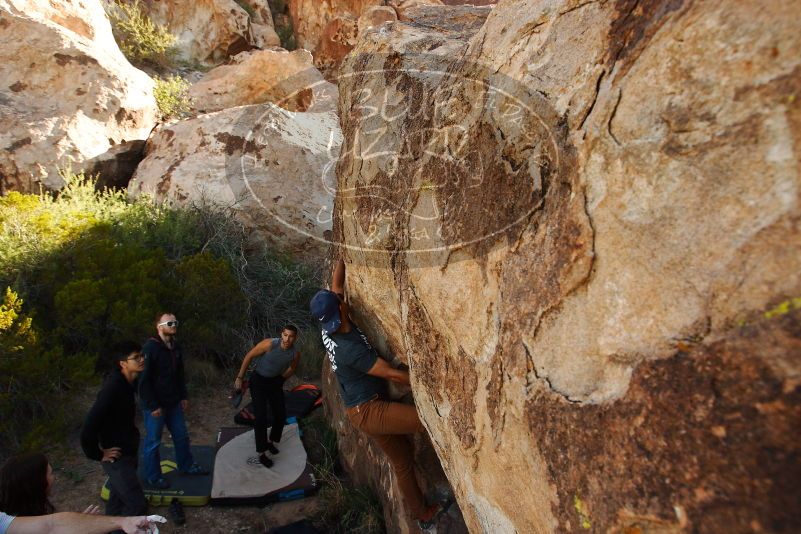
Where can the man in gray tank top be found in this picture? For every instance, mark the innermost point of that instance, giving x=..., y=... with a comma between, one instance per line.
x=277, y=360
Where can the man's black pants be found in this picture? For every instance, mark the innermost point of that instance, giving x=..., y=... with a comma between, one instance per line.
x=126, y=497
x=265, y=390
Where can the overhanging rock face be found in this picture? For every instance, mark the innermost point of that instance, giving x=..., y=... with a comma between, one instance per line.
x=580, y=226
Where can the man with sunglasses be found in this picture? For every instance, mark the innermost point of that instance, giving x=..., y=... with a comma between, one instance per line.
x=110, y=436
x=163, y=398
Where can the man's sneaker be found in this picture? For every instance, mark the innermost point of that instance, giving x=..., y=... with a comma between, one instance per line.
x=159, y=483
x=430, y=517
x=176, y=512
x=195, y=469
x=272, y=448
x=266, y=462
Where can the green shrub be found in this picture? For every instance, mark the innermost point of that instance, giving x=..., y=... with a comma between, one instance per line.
x=286, y=35
x=349, y=509
x=98, y=267
x=143, y=42
x=312, y=352
x=172, y=97
x=34, y=378
x=203, y=374
x=16, y=332
x=211, y=304
x=283, y=23
x=110, y=293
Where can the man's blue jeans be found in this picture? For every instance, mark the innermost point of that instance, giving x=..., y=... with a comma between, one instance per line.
x=174, y=419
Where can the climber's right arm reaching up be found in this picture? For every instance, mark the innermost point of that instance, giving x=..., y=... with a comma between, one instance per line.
x=338, y=279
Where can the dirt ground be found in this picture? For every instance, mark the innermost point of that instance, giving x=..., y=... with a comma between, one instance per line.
x=78, y=479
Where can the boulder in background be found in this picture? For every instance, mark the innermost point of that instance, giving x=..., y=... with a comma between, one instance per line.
x=288, y=79
x=273, y=168
x=67, y=93
x=210, y=31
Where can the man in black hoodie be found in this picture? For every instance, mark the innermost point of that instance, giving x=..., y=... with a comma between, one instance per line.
x=110, y=435
x=162, y=395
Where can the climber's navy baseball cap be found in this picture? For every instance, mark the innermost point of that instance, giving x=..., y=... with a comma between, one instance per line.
x=324, y=306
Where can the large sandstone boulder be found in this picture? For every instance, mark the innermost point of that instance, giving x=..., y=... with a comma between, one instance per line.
x=67, y=94
x=581, y=227
x=358, y=454
x=374, y=16
x=329, y=28
x=469, y=2
x=210, y=31
x=338, y=38
x=456, y=22
x=271, y=167
x=401, y=6
x=310, y=17
x=288, y=79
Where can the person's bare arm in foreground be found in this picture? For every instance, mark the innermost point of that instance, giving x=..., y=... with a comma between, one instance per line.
x=75, y=523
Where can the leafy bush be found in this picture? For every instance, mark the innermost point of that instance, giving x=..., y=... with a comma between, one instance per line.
x=208, y=293
x=142, y=41
x=310, y=345
x=94, y=268
x=172, y=97
x=282, y=22
x=286, y=35
x=34, y=379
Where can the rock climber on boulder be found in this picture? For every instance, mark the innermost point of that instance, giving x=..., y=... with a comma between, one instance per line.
x=362, y=377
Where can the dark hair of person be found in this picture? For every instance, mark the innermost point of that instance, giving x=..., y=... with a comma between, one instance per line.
x=23, y=485
x=290, y=327
x=122, y=351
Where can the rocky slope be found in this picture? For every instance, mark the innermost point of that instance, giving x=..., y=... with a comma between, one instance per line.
x=67, y=94
x=580, y=225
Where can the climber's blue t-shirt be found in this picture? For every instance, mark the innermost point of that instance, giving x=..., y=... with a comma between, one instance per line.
x=351, y=357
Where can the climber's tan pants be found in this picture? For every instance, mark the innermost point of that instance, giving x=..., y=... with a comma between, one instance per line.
x=386, y=423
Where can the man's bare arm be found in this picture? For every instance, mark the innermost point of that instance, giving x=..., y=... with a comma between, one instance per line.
x=383, y=370
x=75, y=523
x=261, y=347
x=338, y=278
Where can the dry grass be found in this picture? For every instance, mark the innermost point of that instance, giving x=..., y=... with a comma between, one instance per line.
x=312, y=354
x=343, y=507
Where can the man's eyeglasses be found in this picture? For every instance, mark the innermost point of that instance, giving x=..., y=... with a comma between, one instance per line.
x=169, y=323
x=136, y=358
